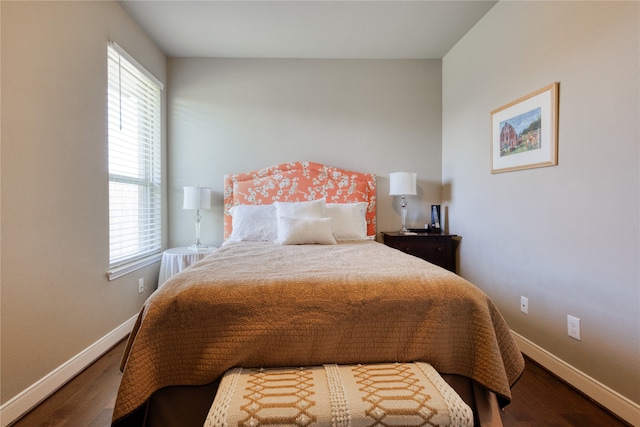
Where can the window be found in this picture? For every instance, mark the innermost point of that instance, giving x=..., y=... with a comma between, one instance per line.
x=135, y=199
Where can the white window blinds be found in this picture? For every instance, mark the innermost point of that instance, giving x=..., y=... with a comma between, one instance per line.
x=135, y=198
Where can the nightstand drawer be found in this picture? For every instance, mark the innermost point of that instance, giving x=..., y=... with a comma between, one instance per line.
x=416, y=242
x=424, y=250
x=438, y=249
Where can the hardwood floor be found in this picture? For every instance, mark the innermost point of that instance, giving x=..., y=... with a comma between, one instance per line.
x=87, y=400
x=539, y=399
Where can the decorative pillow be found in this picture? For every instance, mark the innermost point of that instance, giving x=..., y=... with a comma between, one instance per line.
x=311, y=209
x=349, y=222
x=302, y=231
x=253, y=222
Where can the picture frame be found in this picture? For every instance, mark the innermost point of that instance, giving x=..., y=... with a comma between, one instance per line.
x=436, y=219
x=524, y=133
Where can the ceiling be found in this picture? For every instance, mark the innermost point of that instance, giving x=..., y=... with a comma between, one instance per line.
x=306, y=28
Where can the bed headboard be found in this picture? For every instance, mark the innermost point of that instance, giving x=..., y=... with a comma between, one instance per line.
x=297, y=182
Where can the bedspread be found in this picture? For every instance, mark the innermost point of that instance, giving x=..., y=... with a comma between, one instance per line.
x=259, y=304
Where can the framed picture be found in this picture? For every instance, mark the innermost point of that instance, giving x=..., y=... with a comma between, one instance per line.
x=435, y=218
x=524, y=133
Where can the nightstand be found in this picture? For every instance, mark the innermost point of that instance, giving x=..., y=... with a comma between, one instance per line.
x=175, y=260
x=436, y=248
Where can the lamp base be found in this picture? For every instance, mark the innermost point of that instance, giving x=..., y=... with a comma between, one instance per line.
x=198, y=248
x=403, y=213
x=408, y=232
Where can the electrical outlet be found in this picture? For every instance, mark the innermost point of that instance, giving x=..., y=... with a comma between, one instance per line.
x=573, y=327
x=524, y=305
x=140, y=285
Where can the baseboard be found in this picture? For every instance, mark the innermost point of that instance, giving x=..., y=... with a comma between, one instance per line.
x=46, y=386
x=600, y=393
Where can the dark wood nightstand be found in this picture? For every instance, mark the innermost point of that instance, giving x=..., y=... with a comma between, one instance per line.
x=436, y=248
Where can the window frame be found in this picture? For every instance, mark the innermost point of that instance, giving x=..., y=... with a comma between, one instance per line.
x=142, y=170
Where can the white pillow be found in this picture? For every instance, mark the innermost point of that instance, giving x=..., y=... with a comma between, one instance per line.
x=302, y=231
x=312, y=209
x=253, y=222
x=349, y=221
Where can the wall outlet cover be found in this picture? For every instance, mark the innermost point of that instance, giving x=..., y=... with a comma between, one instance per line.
x=573, y=327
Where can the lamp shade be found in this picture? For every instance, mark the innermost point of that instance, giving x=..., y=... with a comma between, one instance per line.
x=197, y=198
x=402, y=183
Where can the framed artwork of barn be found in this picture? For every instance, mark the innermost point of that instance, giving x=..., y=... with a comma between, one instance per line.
x=524, y=133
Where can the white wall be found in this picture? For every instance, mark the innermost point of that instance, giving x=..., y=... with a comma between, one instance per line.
x=567, y=237
x=235, y=115
x=56, y=300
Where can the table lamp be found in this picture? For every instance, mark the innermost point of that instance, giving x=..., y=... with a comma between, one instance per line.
x=402, y=184
x=197, y=198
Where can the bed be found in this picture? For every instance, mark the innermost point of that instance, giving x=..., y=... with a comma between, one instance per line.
x=301, y=281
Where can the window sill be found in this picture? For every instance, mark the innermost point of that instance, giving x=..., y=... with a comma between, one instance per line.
x=122, y=270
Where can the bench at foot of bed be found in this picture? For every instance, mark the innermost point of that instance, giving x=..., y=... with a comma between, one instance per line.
x=393, y=394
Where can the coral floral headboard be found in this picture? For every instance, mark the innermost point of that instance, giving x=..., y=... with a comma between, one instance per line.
x=298, y=182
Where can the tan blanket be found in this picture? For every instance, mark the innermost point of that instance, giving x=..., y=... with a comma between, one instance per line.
x=256, y=304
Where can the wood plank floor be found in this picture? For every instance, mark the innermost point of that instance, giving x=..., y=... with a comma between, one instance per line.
x=539, y=399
